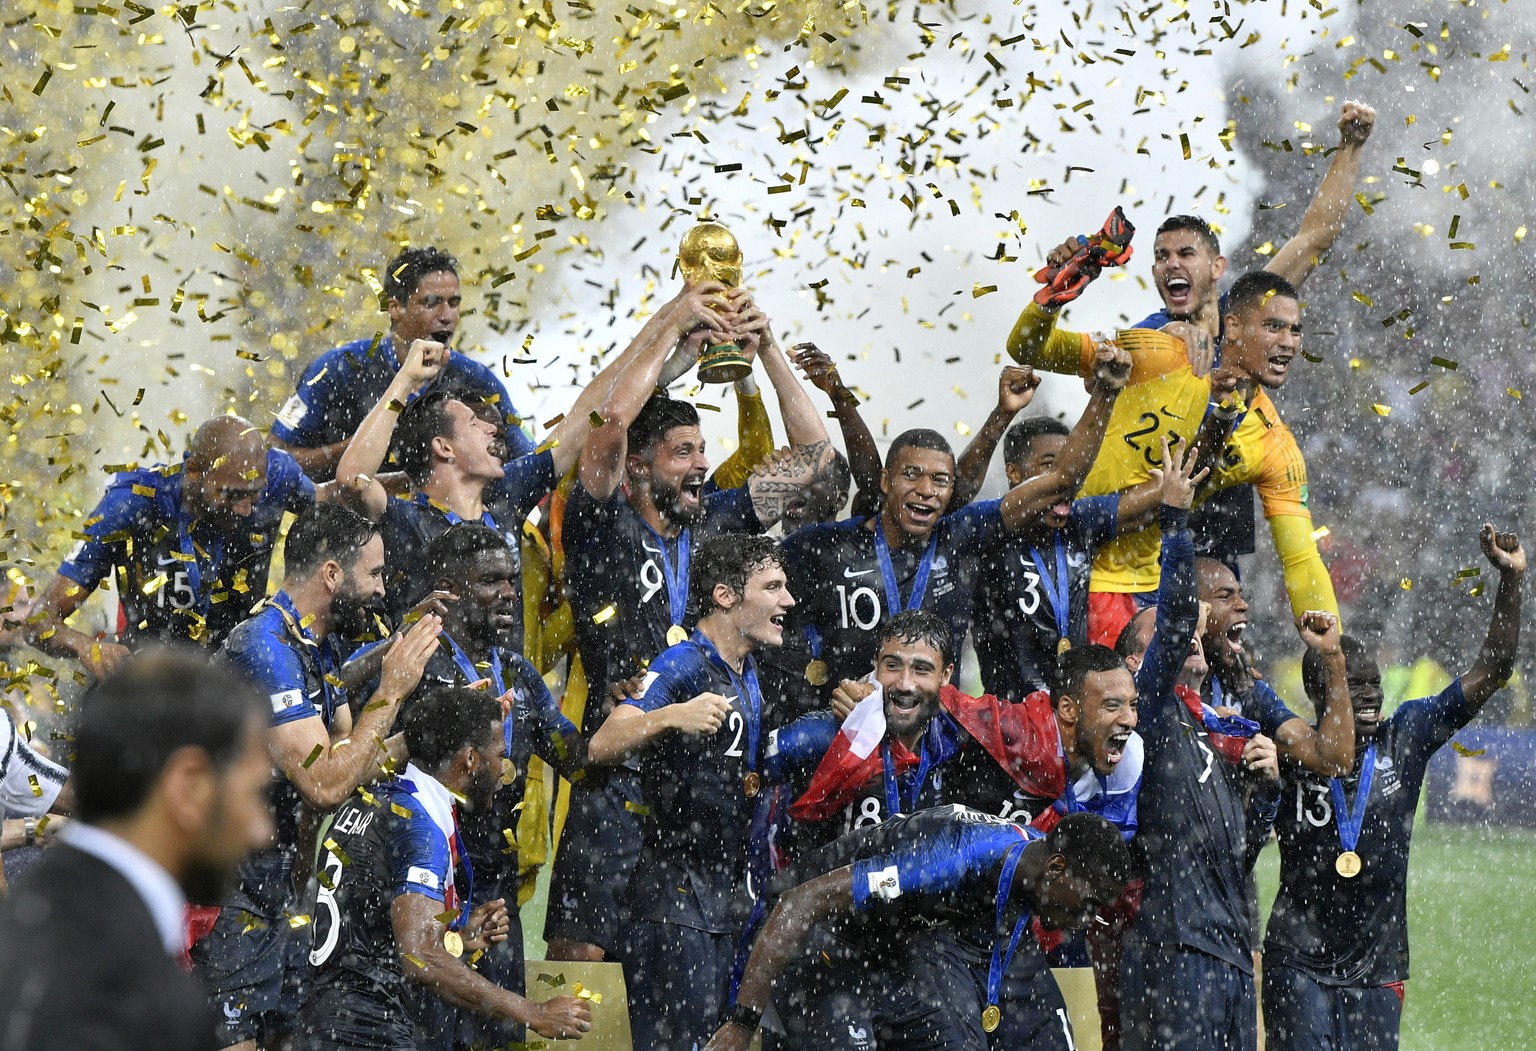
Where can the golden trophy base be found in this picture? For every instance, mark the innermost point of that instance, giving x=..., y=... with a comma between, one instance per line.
x=723, y=363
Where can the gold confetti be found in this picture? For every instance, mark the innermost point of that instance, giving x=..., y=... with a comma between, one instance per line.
x=1470, y=753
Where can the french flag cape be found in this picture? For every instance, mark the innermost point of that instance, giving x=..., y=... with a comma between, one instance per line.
x=1228, y=733
x=1021, y=738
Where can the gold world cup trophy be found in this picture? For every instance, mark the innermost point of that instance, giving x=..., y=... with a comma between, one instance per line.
x=709, y=252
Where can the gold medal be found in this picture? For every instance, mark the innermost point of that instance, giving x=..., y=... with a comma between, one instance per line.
x=508, y=771
x=676, y=634
x=453, y=941
x=1063, y=645
x=816, y=673
x=1348, y=864
x=752, y=784
x=991, y=1018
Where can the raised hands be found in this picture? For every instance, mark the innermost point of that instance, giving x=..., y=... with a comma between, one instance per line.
x=1178, y=475
x=1356, y=120
x=1016, y=388
x=1503, y=550
x=1111, y=367
x=1320, y=630
x=407, y=657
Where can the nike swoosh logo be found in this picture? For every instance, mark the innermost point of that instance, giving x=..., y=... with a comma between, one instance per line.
x=652, y=550
x=169, y=560
x=849, y=574
x=1166, y=411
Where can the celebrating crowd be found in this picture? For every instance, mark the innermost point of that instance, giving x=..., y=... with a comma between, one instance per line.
x=783, y=814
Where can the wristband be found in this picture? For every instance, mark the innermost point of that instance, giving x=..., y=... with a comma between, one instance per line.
x=30, y=826
x=745, y=1017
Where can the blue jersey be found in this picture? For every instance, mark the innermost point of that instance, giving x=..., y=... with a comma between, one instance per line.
x=693, y=867
x=299, y=677
x=1355, y=931
x=1032, y=595
x=177, y=580
x=409, y=524
x=536, y=727
x=615, y=566
x=394, y=840
x=340, y=387
x=838, y=583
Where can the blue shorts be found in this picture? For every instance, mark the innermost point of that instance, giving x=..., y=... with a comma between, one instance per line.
x=598, y=850
x=252, y=976
x=1174, y=998
x=1303, y=1014
x=678, y=978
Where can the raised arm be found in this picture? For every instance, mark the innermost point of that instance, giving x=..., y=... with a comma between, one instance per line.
x=1015, y=390
x=694, y=309
x=1178, y=608
x=325, y=773
x=754, y=436
x=779, y=942
x=1328, y=750
x=365, y=454
x=1496, y=659
x=863, y=454
x=1324, y=218
x=629, y=728
x=1028, y=502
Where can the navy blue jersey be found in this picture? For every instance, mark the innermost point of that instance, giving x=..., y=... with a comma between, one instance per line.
x=1355, y=931
x=299, y=676
x=410, y=524
x=835, y=577
x=932, y=868
x=617, y=586
x=1192, y=833
x=179, y=581
x=537, y=727
x=1018, y=624
x=380, y=845
x=693, y=867
x=340, y=386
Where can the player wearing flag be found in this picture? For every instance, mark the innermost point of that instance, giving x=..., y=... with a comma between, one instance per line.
x=628, y=556
x=472, y=567
x=939, y=902
x=334, y=559
x=396, y=893
x=850, y=576
x=1336, y=952
x=697, y=725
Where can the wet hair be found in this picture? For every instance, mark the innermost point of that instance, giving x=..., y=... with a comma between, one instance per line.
x=657, y=416
x=1093, y=847
x=448, y=556
x=1017, y=442
x=1254, y=288
x=1128, y=642
x=440, y=723
x=1195, y=223
x=1314, y=677
x=918, y=625
x=406, y=270
x=729, y=559
x=421, y=421
x=324, y=532
x=1074, y=667
x=917, y=438
x=159, y=701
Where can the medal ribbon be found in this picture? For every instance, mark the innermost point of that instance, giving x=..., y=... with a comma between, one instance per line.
x=1350, y=820
x=747, y=688
x=1002, y=958
x=677, y=579
x=459, y=856
x=1057, y=591
x=471, y=674
x=420, y=499
x=888, y=573
x=893, y=803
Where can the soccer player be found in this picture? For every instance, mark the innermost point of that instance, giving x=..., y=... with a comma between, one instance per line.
x=1336, y=951
x=1187, y=266
x=849, y=576
x=1187, y=975
x=940, y=899
x=1263, y=336
x=31, y=787
x=628, y=558
x=340, y=386
x=473, y=566
x=187, y=545
x=397, y=887
x=697, y=725
x=250, y=962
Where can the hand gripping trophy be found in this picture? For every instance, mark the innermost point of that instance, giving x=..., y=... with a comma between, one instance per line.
x=709, y=252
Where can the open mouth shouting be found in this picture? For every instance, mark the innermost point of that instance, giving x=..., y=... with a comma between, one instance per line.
x=920, y=514
x=1114, y=746
x=1178, y=295
x=691, y=494
x=1234, y=637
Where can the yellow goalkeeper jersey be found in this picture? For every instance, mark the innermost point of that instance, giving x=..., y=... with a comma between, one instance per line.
x=1165, y=397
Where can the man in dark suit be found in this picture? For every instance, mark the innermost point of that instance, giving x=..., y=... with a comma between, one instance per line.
x=170, y=772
